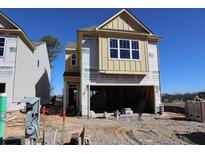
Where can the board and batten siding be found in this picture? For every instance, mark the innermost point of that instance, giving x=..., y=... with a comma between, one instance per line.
x=123, y=23
x=107, y=65
x=68, y=59
x=24, y=80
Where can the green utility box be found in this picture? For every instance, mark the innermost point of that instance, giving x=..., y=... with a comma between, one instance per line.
x=3, y=107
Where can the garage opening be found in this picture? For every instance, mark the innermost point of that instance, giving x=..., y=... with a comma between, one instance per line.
x=111, y=98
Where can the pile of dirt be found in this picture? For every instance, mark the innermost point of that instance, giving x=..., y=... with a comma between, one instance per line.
x=171, y=128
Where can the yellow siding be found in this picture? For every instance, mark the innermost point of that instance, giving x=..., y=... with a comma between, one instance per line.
x=122, y=66
x=132, y=66
x=116, y=65
x=119, y=24
x=104, y=54
x=110, y=66
x=68, y=66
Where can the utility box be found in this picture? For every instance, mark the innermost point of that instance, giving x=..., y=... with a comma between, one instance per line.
x=195, y=110
x=32, y=118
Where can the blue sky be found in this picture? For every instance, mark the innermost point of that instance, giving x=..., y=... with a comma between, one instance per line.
x=182, y=49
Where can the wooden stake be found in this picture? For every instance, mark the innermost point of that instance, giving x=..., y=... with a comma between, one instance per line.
x=44, y=124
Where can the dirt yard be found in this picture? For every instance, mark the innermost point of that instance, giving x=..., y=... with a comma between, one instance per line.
x=172, y=128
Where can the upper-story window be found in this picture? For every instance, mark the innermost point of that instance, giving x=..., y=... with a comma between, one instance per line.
x=124, y=49
x=2, y=44
x=113, y=48
x=73, y=59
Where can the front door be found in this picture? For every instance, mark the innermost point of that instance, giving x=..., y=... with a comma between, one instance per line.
x=72, y=98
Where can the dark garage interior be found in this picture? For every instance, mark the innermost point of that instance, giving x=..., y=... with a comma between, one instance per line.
x=111, y=98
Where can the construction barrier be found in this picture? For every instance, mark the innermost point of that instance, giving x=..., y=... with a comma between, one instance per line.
x=195, y=110
x=3, y=107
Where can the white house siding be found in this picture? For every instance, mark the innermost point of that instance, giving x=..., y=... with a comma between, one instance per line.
x=7, y=64
x=42, y=75
x=24, y=80
x=90, y=73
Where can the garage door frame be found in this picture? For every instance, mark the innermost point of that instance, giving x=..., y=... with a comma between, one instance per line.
x=135, y=85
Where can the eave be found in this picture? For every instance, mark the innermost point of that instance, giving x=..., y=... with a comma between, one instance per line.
x=21, y=34
x=118, y=33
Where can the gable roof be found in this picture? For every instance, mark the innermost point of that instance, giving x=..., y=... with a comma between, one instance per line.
x=37, y=43
x=14, y=28
x=90, y=28
x=71, y=45
x=127, y=13
x=124, y=13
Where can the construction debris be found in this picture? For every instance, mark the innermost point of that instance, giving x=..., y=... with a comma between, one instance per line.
x=92, y=114
x=117, y=114
x=127, y=111
x=55, y=135
x=105, y=115
x=195, y=110
x=79, y=139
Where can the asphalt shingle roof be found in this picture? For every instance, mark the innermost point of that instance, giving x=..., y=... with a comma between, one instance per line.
x=90, y=28
x=72, y=45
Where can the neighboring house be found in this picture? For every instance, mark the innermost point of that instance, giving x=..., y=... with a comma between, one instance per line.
x=113, y=66
x=24, y=65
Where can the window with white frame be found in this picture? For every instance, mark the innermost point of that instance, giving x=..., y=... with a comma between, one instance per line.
x=73, y=59
x=113, y=48
x=2, y=44
x=124, y=49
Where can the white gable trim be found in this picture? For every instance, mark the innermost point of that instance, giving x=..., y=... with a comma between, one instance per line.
x=4, y=16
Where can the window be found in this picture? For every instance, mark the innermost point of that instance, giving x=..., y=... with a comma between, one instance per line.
x=2, y=43
x=74, y=59
x=113, y=48
x=2, y=87
x=124, y=49
x=135, y=50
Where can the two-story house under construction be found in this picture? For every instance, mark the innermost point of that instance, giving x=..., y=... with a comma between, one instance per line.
x=113, y=66
x=24, y=65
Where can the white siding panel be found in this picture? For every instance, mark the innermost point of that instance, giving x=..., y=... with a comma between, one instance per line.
x=7, y=64
x=43, y=72
x=24, y=81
